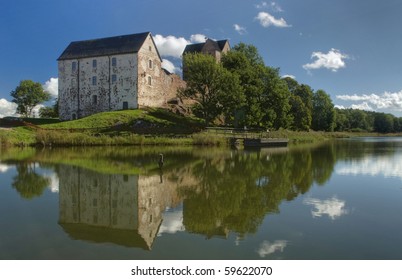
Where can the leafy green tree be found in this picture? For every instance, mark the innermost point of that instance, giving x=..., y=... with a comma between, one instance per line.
x=300, y=113
x=341, y=120
x=238, y=62
x=251, y=52
x=275, y=100
x=50, y=112
x=359, y=120
x=214, y=89
x=27, y=95
x=383, y=123
x=323, y=112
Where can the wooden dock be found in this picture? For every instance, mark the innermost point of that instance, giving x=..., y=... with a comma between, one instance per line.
x=259, y=142
x=249, y=138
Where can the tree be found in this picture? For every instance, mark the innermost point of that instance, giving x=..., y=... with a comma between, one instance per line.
x=275, y=100
x=323, y=112
x=215, y=90
x=383, y=123
x=50, y=112
x=300, y=113
x=27, y=95
x=239, y=63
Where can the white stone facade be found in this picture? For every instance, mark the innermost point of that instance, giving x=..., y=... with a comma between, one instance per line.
x=99, y=75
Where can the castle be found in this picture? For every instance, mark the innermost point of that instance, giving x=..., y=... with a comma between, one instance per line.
x=119, y=73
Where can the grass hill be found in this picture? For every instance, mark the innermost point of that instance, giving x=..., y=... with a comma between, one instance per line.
x=145, y=126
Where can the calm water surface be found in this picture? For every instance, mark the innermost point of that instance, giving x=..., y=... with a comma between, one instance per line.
x=338, y=200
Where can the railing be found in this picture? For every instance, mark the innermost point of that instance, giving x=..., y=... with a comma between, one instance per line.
x=232, y=132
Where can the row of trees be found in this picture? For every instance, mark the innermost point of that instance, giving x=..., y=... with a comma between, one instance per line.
x=359, y=120
x=243, y=91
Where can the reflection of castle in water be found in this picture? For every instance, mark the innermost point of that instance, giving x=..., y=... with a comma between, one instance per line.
x=121, y=209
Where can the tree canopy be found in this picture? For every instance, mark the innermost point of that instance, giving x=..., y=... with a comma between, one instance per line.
x=27, y=95
x=215, y=90
x=246, y=92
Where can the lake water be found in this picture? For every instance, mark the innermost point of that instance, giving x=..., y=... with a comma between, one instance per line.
x=336, y=200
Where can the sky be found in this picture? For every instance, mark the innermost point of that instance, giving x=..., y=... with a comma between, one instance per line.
x=349, y=48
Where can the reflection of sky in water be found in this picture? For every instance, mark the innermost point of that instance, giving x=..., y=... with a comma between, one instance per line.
x=268, y=248
x=387, y=166
x=172, y=222
x=4, y=168
x=333, y=208
x=53, y=182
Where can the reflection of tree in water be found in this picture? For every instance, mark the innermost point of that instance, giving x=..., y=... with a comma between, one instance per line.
x=236, y=193
x=28, y=183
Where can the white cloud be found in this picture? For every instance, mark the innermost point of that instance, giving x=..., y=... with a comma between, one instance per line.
x=52, y=86
x=373, y=102
x=169, y=66
x=333, y=60
x=7, y=108
x=289, y=76
x=333, y=207
x=273, y=6
x=240, y=29
x=340, y=106
x=362, y=106
x=262, y=5
x=172, y=222
x=174, y=46
x=267, y=20
x=197, y=38
x=170, y=45
x=268, y=248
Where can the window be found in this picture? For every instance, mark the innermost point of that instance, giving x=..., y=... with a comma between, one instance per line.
x=94, y=81
x=94, y=99
x=150, y=64
x=114, y=62
x=94, y=63
x=74, y=66
x=150, y=80
x=74, y=116
x=114, y=79
x=150, y=48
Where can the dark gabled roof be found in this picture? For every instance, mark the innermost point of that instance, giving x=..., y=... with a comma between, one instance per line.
x=194, y=48
x=222, y=43
x=104, y=46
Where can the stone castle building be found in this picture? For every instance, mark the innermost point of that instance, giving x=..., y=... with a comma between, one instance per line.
x=118, y=73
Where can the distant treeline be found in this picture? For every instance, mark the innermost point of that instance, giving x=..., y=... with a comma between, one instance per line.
x=360, y=121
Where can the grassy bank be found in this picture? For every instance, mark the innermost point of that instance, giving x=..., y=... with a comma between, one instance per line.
x=136, y=127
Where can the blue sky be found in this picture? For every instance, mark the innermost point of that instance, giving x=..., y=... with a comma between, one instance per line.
x=349, y=48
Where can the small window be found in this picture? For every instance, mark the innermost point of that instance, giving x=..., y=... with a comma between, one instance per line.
x=114, y=79
x=150, y=64
x=150, y=48
x=94, y=63
x=94, y=99
x=114, y=62
x=125, y=107
x=94, y=81
x=74, y=117
x=74, y=66
x=150, y=80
